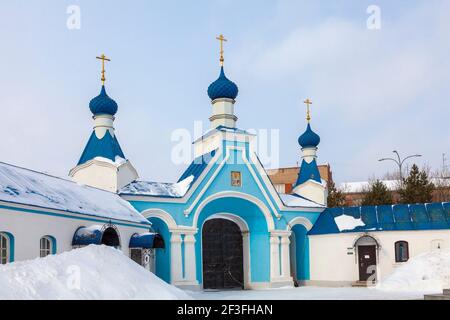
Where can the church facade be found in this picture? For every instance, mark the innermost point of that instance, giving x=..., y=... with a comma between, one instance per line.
x=222, y=224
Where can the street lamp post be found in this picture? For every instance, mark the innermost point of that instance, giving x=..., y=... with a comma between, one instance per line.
x=399, y=161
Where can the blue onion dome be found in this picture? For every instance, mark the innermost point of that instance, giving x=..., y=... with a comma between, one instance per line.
x=309, y=139
x=223, y=88
x=103, y=104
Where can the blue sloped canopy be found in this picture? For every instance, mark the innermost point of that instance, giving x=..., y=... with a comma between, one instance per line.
x=437, y=215
x=402, y=217
x=146, y=240
x=369, y=217
x=85, y=236
x=387, y=217
x=308, y=171
x=447, y=210
x=106, y=147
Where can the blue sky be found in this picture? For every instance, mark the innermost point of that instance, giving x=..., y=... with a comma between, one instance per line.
x=373, y=91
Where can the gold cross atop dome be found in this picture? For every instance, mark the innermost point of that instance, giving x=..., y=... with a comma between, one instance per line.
x=221, y=38
x=103, y=58
x=308, y=103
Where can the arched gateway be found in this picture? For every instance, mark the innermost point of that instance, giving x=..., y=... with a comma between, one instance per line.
x=223, y=259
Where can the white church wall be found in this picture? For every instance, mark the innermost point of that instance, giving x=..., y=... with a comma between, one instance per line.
x=334, y=260
x=28, y=228
x=102, y=176
x=105, y=175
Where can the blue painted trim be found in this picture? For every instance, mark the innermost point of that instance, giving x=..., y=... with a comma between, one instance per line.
x=71, y=217
x=11, y=244
x=53, y=241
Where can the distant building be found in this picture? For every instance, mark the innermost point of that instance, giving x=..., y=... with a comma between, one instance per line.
x=355, y=192
x=285, y=178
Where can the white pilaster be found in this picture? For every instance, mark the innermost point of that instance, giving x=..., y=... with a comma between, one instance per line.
x=274, y=256
x=189, y=256
x=285, y=258
x=176, y=271
x=280, y=275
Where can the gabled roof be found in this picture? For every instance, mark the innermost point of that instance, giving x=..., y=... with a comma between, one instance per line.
x=430, y=216
x=27, y=187
x=107, y=147
x=171, y=190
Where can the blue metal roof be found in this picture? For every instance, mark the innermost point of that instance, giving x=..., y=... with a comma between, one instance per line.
x=197, y=166
x=85, y=236
x=308, y=171
x=387, y=218
x=146, y=240
x=106, y=147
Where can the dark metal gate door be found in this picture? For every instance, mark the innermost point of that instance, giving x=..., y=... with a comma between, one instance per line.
x=222, y=255
x=367, y=256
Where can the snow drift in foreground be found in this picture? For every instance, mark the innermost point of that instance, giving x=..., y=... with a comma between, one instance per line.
x=104, y=273
x=427, y=272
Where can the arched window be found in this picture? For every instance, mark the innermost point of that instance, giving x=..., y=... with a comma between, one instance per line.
x=4, y=248
x=401, y=251
x=46, y=246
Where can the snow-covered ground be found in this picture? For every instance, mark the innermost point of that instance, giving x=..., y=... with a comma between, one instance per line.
x=93, y=272
x=428, y=273
x=311, y=293
x=100, y=272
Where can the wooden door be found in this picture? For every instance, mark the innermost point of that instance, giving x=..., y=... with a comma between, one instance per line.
x=367, y=259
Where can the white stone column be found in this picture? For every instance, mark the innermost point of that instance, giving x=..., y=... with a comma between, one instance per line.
x=190, y=260
x=280, y=267
x=176, y=271
x=285, y=259
x=274, y=256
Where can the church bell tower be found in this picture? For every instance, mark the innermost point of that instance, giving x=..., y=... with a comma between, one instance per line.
x=103, y=164
x=309, y=184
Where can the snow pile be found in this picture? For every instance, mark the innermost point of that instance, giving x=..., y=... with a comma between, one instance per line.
x=20, y=185
x=158, y=189
x=427, y=272
x=345, y=222
x=93, y=272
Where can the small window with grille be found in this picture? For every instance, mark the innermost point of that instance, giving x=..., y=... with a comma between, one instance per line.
x=4, y=249
x=45, y=247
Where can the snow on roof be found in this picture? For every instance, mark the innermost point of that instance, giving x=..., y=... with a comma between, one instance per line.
x=24, y=186
x=107, y=273
x=292, y=200
x=345, y=222
x=158, y=189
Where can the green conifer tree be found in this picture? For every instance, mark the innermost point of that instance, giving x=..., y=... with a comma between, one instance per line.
x=335, y=197
x=416, y=188
x=378, y=194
